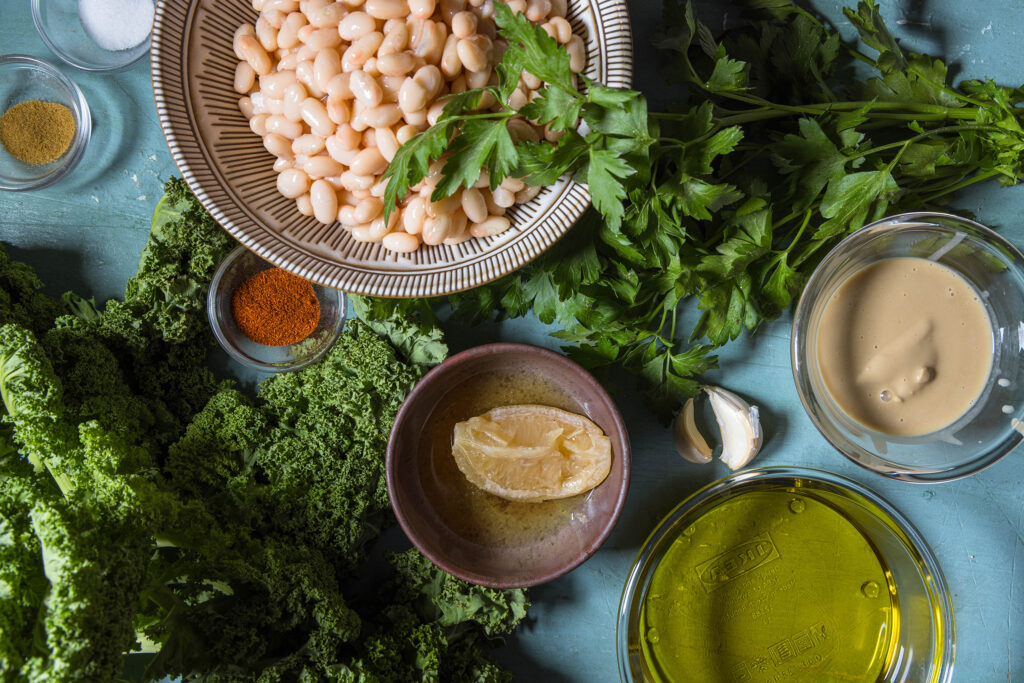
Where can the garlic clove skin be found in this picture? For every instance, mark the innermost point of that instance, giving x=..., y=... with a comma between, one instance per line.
x=740, y=424
x=688, y=440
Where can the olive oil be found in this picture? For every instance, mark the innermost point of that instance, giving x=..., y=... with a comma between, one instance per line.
x=770, y=585
x=469, y=511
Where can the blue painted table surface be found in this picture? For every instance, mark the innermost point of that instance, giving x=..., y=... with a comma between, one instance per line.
x=86, y=232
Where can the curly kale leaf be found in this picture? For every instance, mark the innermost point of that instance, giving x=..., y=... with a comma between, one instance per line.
x=324, y=457
x=21, y=302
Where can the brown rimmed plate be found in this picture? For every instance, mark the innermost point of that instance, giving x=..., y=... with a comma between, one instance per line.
x=229, y=170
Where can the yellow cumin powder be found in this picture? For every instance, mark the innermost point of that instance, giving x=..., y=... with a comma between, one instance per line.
x=37, y=132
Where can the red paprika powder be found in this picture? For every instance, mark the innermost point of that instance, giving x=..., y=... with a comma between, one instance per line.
x=275, y=308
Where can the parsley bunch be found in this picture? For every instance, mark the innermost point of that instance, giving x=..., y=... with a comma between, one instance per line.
x=783, y=147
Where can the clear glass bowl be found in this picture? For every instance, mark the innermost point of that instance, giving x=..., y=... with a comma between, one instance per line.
x=237, y=267
x=922, y=644
x=61, y=29
x=992, y=427
x=24, y=78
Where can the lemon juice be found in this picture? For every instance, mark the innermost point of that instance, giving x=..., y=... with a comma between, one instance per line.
x=769, y=585
x=468, y=510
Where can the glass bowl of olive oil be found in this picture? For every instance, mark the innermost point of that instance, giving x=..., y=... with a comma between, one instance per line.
x=785, y=574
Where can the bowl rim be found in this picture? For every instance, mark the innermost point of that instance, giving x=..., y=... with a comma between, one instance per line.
x=37, y=20
x=175, y=108
x=924, y=555
x=895, y=470
x=237, y=354
x=621, y=438
x=79, y=110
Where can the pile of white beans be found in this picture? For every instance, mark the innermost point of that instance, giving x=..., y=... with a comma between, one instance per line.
x=335, y=88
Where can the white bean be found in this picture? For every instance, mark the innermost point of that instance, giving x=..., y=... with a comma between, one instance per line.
x=512, y=184
x=363, y=233
x=473, y=205
x=414, y=215
x=325, y=201
x=390, y=85
x=445, y=206
x=346, y=215
x=322, y=166
x=400, y=242
x=304, y=205
x=253, y=53
x=495, y=225
x=387, y=143
x=308, y=144
x=339, y=86
x=562, y=30
x=266, y=34
x=284, y=127
x=288, y=35
x=434, y=113
x=577, y=54
x=292, y=183
x=361, y=50
x=464, y=24
x=245, y=78
x=294, y=95
x=387, y=9
x=396, y=64
x=412, y=97
x=368, y=162
x=480, y=79
x=503, y=197
x=379, y=228
x=365, y=89
x=258, y=124
x=245, y=30
x=323, y=38
x=338, y=110
x=430, y=79
x=517, y=100
x=406, y=133
x=527, y=194
x=353, y=181
x=430, y=45
x=274, y=84
x=326, y=65
x=382, y=116
x=282, y=165
x=280, y=5
x=435, y=230
x=315, y=115
x=368, y=209
x=416, y=118
x=537, y=10
x=530, y=81
x=329, y=16
x=422, y=8
x=355, y=25
x=395, y=39
x=451, y=64
x=348, y=137
x=248, y=107
x=459, y=223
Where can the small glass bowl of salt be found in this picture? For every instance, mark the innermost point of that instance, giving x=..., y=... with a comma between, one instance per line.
x=95, y=35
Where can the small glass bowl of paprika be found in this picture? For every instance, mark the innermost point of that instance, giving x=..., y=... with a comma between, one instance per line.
x=269, y=319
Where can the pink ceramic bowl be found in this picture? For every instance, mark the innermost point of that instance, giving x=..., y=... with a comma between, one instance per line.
x=467, y=532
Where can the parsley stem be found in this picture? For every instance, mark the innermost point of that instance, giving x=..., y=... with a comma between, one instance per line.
x=961, y=185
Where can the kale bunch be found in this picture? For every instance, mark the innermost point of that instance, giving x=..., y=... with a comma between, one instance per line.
x=145, y=507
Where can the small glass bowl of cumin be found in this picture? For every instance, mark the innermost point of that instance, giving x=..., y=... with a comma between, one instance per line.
x=238, y=269
x=39, y=89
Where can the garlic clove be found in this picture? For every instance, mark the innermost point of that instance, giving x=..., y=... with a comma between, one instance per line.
x=740, y=424
x=688, y=440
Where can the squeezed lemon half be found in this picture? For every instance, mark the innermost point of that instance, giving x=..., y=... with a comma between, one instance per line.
x=532, y=453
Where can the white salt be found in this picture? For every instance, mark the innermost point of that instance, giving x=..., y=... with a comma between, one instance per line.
x=116, y=24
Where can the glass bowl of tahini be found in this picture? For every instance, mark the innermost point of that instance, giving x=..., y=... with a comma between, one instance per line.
x=785, y=574
x=908, y=347
x=44, y=124
x=268, y=319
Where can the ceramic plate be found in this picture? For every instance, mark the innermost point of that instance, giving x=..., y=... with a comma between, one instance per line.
x=231, y=173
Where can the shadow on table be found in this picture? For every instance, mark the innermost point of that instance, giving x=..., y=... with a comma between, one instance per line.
x=115, y=128
x=54, y=265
